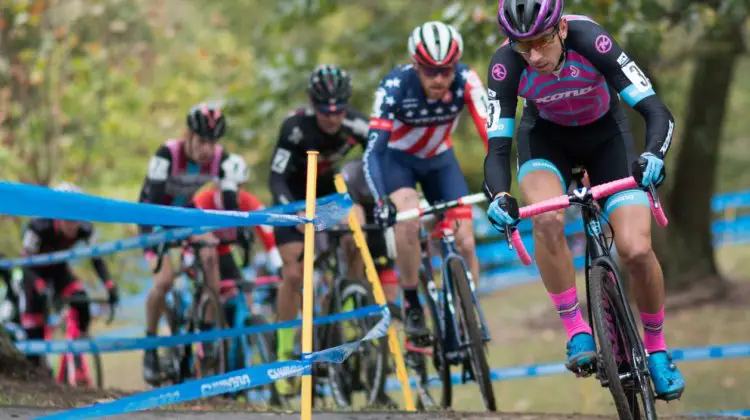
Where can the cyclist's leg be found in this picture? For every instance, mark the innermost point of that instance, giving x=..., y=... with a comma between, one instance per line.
x=630, y=216
x=544, y=172
x=67, y=286
x=230, y=275
x=384, y=264
x=401, y=186
x=354, y=263
x=33, y=308
x=155, y=304
x=446, y=182
x=210, y=263
x=290, y=242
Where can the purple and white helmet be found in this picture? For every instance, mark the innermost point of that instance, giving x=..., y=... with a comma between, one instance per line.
x=526, y=18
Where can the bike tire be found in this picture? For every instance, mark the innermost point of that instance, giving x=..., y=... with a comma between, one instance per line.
x=178, y=363
x=96, y=366
x=638, y=389
x=470, y=318
x=370, y=361
x=439, y=358
x=265, y=345
x=210, y=298
x=606, y=362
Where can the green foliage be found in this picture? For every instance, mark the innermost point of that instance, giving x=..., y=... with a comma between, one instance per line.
x=90, y=88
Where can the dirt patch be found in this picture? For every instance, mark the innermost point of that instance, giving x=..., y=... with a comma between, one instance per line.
x=49, y=394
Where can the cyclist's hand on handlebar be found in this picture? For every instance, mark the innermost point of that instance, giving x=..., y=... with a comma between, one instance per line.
x=649, y=170
x=112, y=293
x=385, y=213
x=503, y=211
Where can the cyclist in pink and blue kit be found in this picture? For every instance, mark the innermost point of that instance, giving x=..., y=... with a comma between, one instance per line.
x=572, y=75
x=415, y=112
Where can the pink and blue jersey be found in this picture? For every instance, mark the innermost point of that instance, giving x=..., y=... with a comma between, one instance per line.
x=594, y=74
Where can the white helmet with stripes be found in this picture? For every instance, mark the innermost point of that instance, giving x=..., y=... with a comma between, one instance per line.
x=435, y=44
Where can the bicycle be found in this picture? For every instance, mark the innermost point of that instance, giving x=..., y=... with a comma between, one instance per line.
x=459, y=331
x=365, y=370
x=621, y=358
x=187, y=314
x=242, y=351
x=73, y=369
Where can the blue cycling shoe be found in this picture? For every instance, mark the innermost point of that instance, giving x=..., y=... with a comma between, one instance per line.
x=581, y=354
x=668, y=381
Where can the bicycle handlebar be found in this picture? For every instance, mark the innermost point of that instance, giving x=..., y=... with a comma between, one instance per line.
x=88, y=300
x=425, y=211
x=563, y=202
x=165, y=246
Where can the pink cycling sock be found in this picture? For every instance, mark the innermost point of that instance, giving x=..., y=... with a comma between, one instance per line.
x=653, y=333
x=570, y=312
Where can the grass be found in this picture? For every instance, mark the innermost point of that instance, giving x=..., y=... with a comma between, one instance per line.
x=711, y=385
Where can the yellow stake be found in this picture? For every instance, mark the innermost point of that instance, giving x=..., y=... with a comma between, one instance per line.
x=377, y=291
x=307, y=278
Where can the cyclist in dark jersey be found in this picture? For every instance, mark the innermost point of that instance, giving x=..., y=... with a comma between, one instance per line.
x=176, y=172
x=572, y=73
x=43, y=236
x=329, y=126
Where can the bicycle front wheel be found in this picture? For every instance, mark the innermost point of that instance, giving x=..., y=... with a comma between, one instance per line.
x=632, y=364
x=469, y=318
x=263, y=347
x=211, y=355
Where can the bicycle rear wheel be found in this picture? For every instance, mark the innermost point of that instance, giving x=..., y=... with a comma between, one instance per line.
x=469, y=318
x=211, y=356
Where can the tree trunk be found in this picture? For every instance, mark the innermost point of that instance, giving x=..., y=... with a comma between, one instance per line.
x=688, y=260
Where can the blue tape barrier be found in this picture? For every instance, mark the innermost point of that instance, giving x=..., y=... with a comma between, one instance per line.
x=689, y=354
x=108, y=345
x=230, y=382
x=330, y=210
x=36, y=201
x=106, y=248
x=737, y=199
x=728, y=413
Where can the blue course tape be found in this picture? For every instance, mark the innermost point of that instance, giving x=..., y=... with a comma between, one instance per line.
x=690, y=354
x=36, y=201
x=329, y=209
x=731, y=413
x=107, y=345
x=230, y=382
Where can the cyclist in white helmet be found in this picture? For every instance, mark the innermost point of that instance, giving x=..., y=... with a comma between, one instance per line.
x=415, y=111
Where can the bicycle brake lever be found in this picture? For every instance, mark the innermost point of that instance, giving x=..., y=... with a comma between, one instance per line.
x=508, y=236
x=654, y=195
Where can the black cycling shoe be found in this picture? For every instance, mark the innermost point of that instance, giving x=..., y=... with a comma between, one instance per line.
x=414, y=327
x=151, y=368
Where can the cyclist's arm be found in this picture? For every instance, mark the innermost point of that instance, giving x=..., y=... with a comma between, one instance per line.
x=624, y=75
x=159, y=168
x=502, y=91
x=282, y=163
x=249, y=202
x=32, y=243
x=475, y=97
x=229, y=186
x=381, y=124
x=89, y=235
